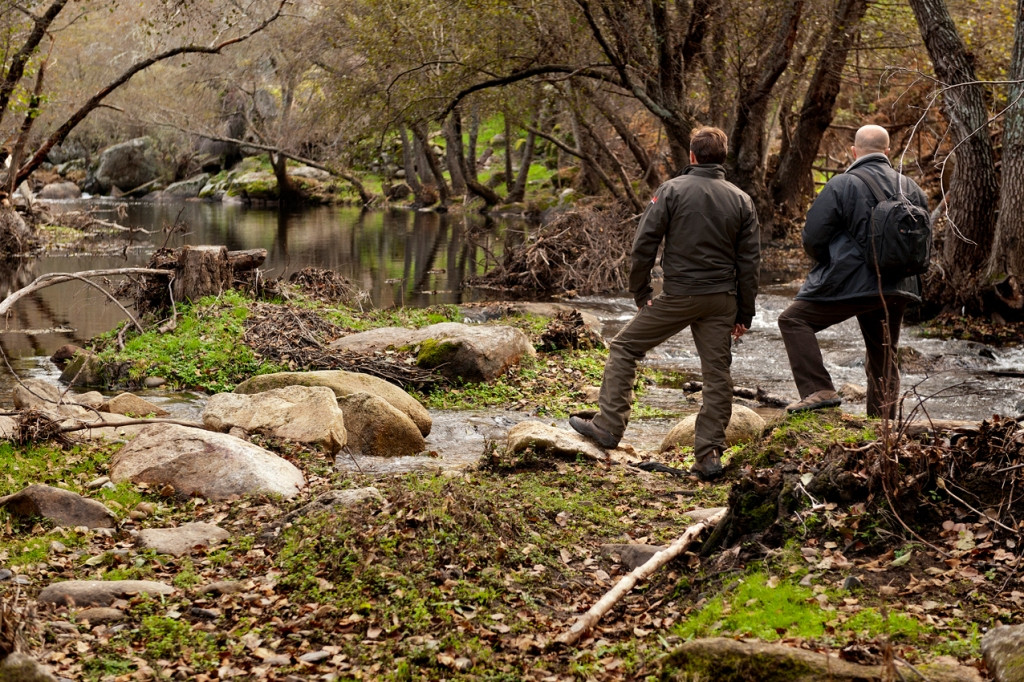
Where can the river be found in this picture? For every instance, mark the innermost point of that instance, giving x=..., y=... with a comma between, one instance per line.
x=402, y=257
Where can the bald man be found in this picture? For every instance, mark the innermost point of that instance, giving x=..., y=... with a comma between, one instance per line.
x=842, y=284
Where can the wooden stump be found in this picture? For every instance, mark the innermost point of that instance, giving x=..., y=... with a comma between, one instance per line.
x=202, y=271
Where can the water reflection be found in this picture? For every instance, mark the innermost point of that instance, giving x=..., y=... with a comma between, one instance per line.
x=398, y=257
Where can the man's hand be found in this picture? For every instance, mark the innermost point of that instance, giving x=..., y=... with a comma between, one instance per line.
x=640, y=306
x=738, y=331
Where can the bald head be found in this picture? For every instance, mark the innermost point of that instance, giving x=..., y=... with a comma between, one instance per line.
x=870, y=139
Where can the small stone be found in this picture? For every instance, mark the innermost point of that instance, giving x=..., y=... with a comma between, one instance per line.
x=209, y=614
x=100, y=615
x=58, y=547
x=147, y=507
x=463, y=664
x=62, y=626
x=852, y=582
x=314, y=657
x=22, y=580
x=154, y=382
x=108, y=486
x=97, y=482
x=224, y=587
x=5, y=574
x=278, y=660
x=137, y=515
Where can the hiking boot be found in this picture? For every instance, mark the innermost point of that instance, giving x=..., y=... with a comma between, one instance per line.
x=708, y=467
x=586, y=427
x=816, y=401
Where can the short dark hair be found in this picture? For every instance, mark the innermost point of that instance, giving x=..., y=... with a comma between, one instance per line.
x=709, y=145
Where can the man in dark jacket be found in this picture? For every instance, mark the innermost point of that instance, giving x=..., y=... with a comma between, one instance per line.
x=842, y=284
x=710, y=260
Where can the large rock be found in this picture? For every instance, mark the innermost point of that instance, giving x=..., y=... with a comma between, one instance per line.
x=182, y=539
x=41, y=395
x=1003, y=650
x=458, y=351
x=99, y=592
x=307, y=414
x=19, y=667
x=128, y=165
x=59, y=191
x=196, y=462
x=130, y=404
x=63, y=506
x=187, y=188
x=344, y=383
x=728, y=660
x=744, y=425
x=551, y=440
x=376, y=428
x=85, y=369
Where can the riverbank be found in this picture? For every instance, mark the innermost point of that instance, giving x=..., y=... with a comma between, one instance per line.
x=470, y=568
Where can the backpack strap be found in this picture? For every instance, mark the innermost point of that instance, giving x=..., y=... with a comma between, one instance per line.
x=872, y=184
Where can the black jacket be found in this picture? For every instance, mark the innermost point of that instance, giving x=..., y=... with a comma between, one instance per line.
x=837, y=228
x=712, y=245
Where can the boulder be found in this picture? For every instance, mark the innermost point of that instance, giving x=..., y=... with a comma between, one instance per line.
x=744, y=425
x=99, y=592
x=376, y=428
x=1002, y=648
x=128, y=165
x=182, y=539
x=196, y=462
x=187, y=188
x=132, y=405
x=344, y=383
x=727, y=660
x=458, y=351
x=307, y=414
x=63, y=506
x=59, y=191
x=85, y=369
x=19, y=667
x=559, y=442
x=41, y=395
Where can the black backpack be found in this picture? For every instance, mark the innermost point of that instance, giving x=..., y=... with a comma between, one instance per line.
x=899, y=243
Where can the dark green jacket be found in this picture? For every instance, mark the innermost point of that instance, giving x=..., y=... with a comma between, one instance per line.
x=712, y=244
x=835, y=236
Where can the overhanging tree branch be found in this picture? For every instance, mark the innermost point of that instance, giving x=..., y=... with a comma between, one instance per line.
x=58, y=136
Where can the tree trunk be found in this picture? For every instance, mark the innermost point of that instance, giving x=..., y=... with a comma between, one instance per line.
x=489, y=196
x=509, y=176
x=15, y=234
x=451, y=157
x=409, y=162
x=747, y=140
x=974, y=189
x=201, y=271
x=792, y=182
x=420, y=132
x=1007, y=260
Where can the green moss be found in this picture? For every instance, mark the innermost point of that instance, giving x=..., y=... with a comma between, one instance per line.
x=434, y=353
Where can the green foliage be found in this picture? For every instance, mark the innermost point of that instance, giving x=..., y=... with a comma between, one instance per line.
x=203, y=351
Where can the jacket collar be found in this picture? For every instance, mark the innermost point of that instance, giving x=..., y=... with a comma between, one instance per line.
x=706, y=170
x=877, y=157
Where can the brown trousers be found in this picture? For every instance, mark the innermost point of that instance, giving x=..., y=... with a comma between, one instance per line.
x=803, y=319
x=711, y=318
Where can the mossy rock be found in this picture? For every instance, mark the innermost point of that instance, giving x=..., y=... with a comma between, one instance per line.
x=434, y=353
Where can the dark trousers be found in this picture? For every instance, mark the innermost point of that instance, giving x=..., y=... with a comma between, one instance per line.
x=803, y=319
x=711, y=318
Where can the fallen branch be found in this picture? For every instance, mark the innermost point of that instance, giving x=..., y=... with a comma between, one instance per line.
x=627, y=582
x=44, y=281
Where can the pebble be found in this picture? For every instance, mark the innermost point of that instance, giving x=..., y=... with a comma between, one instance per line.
x=137, y=515
x=5, y=574
x=314, y=657
x=97, y=483
x=852, y=582
x=22, y=580
x=154, y=382
x=58, y=547
x=209, y=614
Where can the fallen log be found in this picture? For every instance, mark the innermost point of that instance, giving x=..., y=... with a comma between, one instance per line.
x=588, y=620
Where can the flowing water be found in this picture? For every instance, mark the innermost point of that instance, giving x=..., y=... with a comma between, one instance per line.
x=418, y=259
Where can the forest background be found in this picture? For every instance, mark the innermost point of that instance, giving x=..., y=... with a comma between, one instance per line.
x=596, y=94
